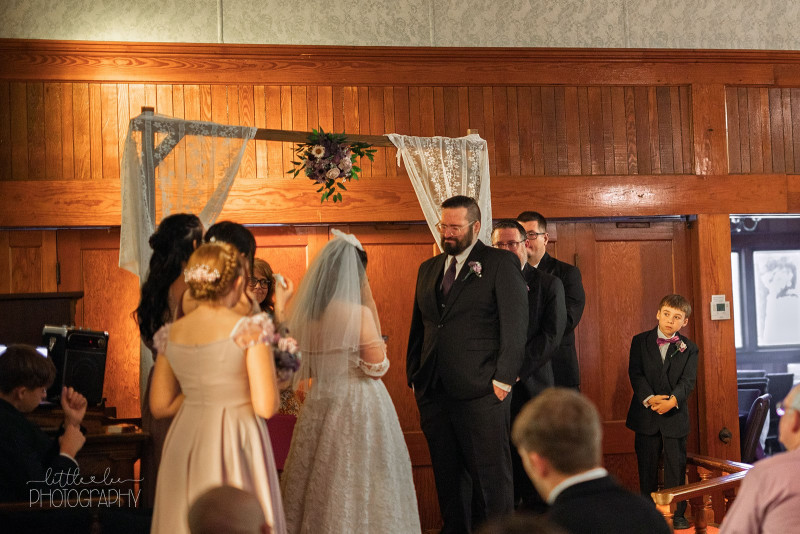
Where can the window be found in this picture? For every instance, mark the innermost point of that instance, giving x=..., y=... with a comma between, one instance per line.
x=737, y=299
x=777, y=296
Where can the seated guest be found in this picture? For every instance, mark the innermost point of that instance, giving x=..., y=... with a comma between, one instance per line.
x=26, y=452
x=227, y=510
x=558, y=435
x=769, y=500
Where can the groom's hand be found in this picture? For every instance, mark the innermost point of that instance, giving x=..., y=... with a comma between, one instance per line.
x=500, y=393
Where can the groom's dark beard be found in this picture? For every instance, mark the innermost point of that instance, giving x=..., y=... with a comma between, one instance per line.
x=456, y=245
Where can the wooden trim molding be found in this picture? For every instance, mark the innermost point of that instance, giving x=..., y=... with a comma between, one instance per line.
x=68, y=203
x=91, y=61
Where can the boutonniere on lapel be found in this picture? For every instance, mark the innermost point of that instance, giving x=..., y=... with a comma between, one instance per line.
x=475, y=268
x=681, y=348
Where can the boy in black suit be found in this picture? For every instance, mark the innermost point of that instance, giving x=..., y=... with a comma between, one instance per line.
x=662, y=370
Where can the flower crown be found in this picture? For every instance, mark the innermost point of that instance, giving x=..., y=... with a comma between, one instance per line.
x=200, y=273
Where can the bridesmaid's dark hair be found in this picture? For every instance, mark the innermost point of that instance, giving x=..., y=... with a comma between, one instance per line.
x=173, y=243
x=235, y=234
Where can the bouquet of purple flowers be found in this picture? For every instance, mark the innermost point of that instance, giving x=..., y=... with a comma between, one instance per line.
x=287, y=356
x=329, y=160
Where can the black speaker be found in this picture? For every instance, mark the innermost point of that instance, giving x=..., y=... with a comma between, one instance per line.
x=80, y=359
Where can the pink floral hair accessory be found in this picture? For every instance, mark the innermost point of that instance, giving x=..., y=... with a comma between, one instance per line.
x=200, y=273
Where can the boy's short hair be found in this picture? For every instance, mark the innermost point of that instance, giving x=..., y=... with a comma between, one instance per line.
x=529, y=216
x=22, y=365
x=677, y=302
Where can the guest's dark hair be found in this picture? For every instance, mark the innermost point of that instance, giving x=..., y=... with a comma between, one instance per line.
x=235, y=234
x=173, y=243
x=528, y=216
x=504, y=224
x=462, y=201
x=22, y=365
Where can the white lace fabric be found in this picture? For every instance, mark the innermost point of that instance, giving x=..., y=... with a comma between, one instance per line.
x=442, y=167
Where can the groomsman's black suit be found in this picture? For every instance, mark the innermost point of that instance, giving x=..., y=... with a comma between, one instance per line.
x=649, y=376
x=602, y=506
x=547, y=317
x=565, y=363
x=457, y=346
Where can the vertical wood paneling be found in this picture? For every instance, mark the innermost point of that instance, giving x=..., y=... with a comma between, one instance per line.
x=776, y=130
x=583, y=129
x=81, y=128
x=500, y=114
x=562, y=152
x=5, y=133
x=795, y=96
x=524, y=105
x=631, y=136
x=274, y=119
x=77, y=131
x=665, y=130
x=549, y=141
x=67, y=125
x=96, y=131
x=377, y=126
x=597, y=150
x=36, y=131
x=573, y=131
x=52, y=131
x=109, y=131
x=766, y=140
x=488, y=132
x=619, y=126
x=788, y=147
x=513, y=131
x=754, y=116
x=652, y=110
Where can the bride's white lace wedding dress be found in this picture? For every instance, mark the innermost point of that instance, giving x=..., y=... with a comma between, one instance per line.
x=348, y=469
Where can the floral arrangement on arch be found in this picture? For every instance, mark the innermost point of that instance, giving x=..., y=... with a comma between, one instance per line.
x=329, y=160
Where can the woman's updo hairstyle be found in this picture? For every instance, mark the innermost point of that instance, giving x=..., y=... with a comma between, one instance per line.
x=212, y=270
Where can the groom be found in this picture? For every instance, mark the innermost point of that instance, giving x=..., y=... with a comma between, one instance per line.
x=465, y=350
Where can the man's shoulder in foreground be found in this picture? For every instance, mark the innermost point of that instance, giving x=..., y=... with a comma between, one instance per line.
x=603, y=506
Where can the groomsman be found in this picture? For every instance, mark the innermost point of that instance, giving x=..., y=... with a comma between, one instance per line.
x=465, y=350
x=547, y=318
x=565, y=363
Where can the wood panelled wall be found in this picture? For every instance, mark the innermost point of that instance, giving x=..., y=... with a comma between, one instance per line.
x=763, y=129
x=76, y=131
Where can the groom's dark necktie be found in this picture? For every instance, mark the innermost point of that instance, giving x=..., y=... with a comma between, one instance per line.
x=449, y=278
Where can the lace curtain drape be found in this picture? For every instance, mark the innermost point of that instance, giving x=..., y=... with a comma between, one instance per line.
x=441, y=167
x=172, y=166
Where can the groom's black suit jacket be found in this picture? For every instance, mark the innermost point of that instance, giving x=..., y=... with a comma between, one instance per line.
x=649, y=376
x=477, y=334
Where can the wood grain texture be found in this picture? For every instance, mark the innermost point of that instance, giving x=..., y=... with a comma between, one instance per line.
x=252, y=201
x=317, y=65
x=717, y=403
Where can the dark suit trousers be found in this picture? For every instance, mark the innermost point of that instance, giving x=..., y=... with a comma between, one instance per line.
x=469, y=445
x=526, y=498
x=648, y=450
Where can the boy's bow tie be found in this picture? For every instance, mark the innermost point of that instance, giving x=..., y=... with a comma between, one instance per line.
x=667, y=341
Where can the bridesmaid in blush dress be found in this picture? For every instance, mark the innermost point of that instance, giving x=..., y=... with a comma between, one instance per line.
x=216, y=375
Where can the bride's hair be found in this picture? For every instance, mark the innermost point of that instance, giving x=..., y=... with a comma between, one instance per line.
x=212, y=270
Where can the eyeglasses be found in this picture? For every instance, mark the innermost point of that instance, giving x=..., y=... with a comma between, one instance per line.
x=263, y=283
x=781, y=409
x=453, y=229
x=534, y=235
x=510, y=245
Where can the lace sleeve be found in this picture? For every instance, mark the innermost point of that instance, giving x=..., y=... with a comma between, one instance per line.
x=375, y=370
x=253, y=330
x=160, y=339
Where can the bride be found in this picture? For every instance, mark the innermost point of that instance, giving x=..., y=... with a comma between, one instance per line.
x=348, y=468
